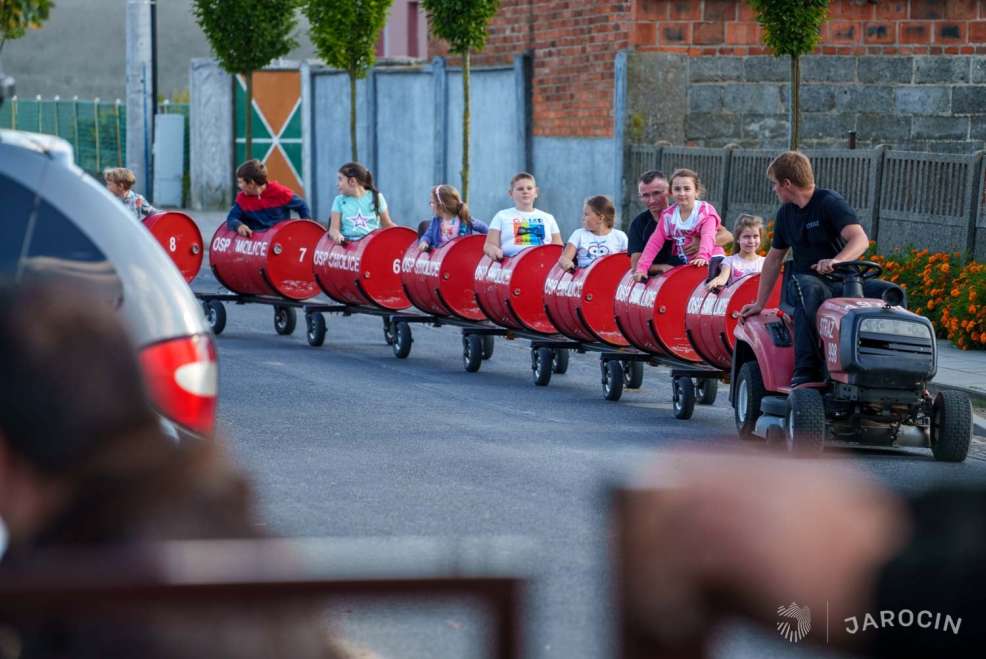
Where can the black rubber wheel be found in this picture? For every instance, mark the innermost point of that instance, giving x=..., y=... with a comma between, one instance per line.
x=613, y=379
x=402, y=339
x=388, y=331
x=541, y=364
x=561, y=361
x=683, y=398
x=488, y=344
x=633, y=374
x=315, y=323
x=285, y=320
x=805, y=423
x=472, y=352
x=706, y=391
x=746, y=400
x=215, y=315
x=951, y=426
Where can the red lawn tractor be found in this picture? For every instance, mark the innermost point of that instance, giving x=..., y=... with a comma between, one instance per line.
x=878, y=360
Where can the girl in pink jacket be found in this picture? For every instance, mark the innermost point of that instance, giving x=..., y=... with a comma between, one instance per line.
x=689, y=216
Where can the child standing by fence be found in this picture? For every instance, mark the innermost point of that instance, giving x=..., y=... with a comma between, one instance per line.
x=744, y=260
x=359, y=208
x=119, y=181
x=596, y=238
x=451, y=220
x=689, y=216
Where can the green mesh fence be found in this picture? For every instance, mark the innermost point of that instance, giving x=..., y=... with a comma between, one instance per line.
x=97, y=130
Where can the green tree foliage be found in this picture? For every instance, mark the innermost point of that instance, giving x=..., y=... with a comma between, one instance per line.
x=245, y=36
x=345, y=34
x=19, y=16
x=793, y=28
x=463, y=24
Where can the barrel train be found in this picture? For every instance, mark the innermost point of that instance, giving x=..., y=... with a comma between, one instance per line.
x=880, y=357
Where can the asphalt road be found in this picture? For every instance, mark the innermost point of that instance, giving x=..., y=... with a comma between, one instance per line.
x=346, y=440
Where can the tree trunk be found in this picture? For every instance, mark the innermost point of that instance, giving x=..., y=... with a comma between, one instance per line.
x=248, y=118
x=795, y=101
x=352, y=115
x=465, y=127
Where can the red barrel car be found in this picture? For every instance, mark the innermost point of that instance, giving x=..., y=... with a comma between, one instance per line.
x=365, y=271
x=276, y=261
x=511, y=291
x=581, y=303
x=180, y=237
x=441, y=281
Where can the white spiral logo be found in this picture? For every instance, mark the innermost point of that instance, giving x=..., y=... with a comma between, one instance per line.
x=795, y=622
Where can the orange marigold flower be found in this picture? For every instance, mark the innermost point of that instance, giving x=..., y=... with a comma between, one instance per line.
x=972, y=308
x=931, y=305
x=946, y=267
x=956, y=292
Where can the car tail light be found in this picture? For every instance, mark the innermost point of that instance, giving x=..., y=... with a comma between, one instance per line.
x=182, y=380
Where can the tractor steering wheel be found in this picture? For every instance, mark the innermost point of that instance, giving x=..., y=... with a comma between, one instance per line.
x=862, y=269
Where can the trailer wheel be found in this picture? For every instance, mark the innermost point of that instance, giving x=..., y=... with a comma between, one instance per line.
x=613, y=378
x=285, y=320
x=472, y=352
x=388, y=331
x=402, y=339
x=488, y=345
x=633, y=374
x=682, y=397
x=749, y=394
x=315, y=322
x=708, y=389
x=951, y=426
x=541, y=365
x=215, y=315
x=805, y=422
x=561, y=361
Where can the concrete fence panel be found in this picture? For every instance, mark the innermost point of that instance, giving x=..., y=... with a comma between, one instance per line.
x=748, y=190
x=929, y=200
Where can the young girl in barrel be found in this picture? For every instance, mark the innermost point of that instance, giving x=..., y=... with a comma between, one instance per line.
x=688, y=216
x=596, y=238
x=359, y=208
x=744, y=260
x=451, y=218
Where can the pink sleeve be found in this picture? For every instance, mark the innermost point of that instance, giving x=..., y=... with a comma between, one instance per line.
x=708, y=227
x=653, y=246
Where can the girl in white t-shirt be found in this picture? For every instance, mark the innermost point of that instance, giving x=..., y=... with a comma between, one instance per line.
x=744, y=260
x=596, y=238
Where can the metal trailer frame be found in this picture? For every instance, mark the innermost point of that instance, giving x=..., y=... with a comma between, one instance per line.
x=620, y=367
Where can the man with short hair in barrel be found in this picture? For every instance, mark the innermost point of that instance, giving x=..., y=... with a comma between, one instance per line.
x=653, y=191
x=261, y=203
x=821, y=230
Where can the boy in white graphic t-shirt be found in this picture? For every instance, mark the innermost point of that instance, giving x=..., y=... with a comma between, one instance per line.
x=514, y=229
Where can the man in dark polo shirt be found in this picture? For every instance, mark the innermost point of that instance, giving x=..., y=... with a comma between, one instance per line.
x=821, y=230
x=653, y=190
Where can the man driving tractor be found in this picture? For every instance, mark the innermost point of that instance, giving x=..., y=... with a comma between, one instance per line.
x=822, y=231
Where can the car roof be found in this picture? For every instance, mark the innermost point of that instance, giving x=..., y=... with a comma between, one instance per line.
x=157, y=303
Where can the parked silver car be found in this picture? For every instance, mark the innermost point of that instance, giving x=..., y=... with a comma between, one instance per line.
x=59, y=224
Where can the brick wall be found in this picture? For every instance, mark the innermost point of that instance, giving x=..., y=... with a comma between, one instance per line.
x=574, y=45
x=854, y=27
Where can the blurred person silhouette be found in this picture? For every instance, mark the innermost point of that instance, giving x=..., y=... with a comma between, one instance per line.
x=711, y=538
x=84, y=464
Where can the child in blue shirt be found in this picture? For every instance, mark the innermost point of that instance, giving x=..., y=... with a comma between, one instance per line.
x=261, y=204
x=359, y=208
x=451, y=218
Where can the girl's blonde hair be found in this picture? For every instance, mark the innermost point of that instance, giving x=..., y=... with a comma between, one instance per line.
x=120, y=176
x=743, y=222
x=688, y=173
x=603, y=206
x=447, y=198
